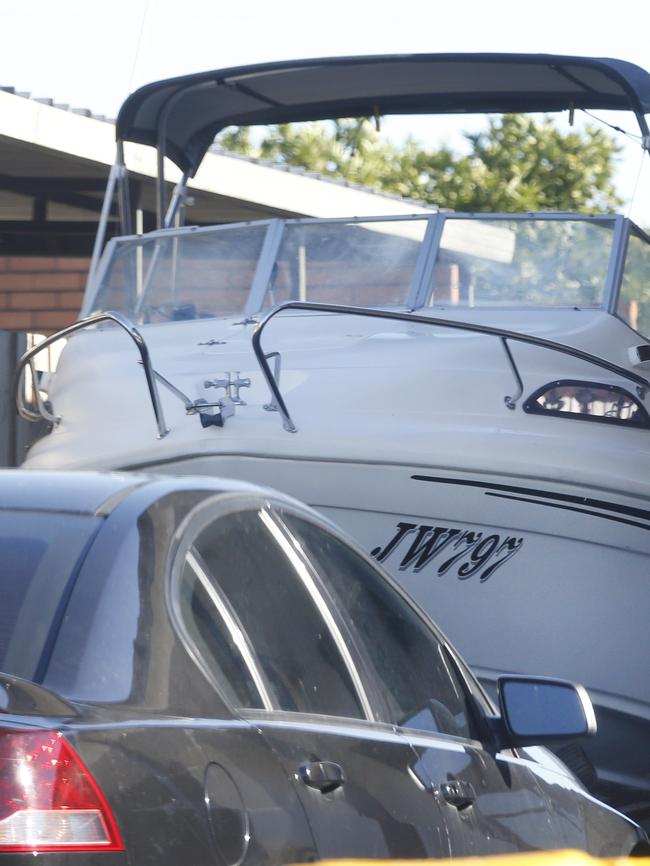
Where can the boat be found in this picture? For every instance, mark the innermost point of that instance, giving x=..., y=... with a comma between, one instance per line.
x=465, y=394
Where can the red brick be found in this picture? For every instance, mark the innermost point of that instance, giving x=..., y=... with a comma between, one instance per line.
x=72, y=264
x=70, y=300
x=56, y=280
x=48, y=321
x=38, y=264
x=16, y=281
x=31, y=263
x=33, y=300
x=46, y=281
x=17, y=321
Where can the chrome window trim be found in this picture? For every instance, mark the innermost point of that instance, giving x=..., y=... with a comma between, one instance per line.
x=231, y=622
x=299, y=563
x=210, y=509
x=221, y=505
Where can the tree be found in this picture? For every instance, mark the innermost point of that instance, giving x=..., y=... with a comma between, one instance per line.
x=516, y=164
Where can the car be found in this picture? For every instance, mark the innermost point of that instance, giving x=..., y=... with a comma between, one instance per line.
x=203, y=671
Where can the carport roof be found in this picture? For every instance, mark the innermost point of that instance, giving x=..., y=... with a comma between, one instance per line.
x=55, y=161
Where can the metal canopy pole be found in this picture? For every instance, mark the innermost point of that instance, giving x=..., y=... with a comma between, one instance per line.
x=176, y=200
x=162, y=215
x=113, y=177
x=645, y=132
x=160, y=188
x=126, y=221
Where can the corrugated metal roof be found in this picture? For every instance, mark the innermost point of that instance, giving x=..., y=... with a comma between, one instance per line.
x=47, y=100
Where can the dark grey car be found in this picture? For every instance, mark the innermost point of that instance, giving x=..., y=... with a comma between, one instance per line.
x=202, y=671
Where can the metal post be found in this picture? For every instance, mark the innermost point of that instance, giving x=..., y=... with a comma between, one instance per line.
x=103, y=220
x=108, y=316
x=139, y=258
x=160, y=187
x=176, y=200
x=161, y=216
x=124, y=193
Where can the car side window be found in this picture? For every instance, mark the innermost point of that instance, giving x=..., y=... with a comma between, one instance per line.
x=421, y=687
x=257, y=622
x=216, y=636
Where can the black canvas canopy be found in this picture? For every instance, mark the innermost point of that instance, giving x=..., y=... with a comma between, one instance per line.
x=181, y=116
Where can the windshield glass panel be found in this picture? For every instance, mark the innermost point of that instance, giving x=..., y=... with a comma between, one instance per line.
x=39, y=553
x=195, y=275
x=522, y=263
x=634, y=300
x=536, y=261
x=363, y=264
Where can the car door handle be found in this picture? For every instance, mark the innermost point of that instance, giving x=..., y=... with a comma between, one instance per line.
x=325, y=776
x=458, y=793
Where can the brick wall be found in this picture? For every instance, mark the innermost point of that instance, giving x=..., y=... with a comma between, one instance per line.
x=40, y=293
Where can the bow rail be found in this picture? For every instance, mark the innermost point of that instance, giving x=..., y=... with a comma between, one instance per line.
x=109, y=316
x=642, y=384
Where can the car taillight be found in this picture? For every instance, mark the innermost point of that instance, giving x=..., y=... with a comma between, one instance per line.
x=48, y=799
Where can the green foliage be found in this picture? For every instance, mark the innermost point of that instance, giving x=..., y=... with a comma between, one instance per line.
x=515, y=165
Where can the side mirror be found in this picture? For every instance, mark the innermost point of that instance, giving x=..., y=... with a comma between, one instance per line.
x=538, y=710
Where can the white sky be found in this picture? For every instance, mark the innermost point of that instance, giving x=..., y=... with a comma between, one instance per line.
x=92, y=54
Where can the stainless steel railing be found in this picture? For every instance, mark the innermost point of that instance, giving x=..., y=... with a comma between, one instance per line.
x=503, y=335
x=28, y=360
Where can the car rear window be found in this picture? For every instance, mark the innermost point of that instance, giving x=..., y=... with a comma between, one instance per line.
x=39, y=552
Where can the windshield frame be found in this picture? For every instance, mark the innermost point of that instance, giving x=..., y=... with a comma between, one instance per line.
x=420, y=290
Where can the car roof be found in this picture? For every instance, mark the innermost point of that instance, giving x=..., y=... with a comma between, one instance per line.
x=74, y=492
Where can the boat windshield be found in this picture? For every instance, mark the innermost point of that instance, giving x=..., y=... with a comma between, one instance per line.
x=437, y=260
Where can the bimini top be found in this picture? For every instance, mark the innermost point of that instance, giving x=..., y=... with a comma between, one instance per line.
x=181, y=116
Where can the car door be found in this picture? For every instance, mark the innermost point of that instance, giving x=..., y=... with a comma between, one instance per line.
x=294, y=677
x=494, y=797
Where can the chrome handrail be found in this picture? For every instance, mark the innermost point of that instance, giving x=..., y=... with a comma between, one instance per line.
x=504, y=335
x=108, y=316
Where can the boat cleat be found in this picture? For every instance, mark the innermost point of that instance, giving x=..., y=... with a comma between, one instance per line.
x=232, y=384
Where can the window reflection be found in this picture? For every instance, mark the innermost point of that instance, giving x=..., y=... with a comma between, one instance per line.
x=420, y=686
x=363, y=264
x=522, y=263
x=537, y=709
